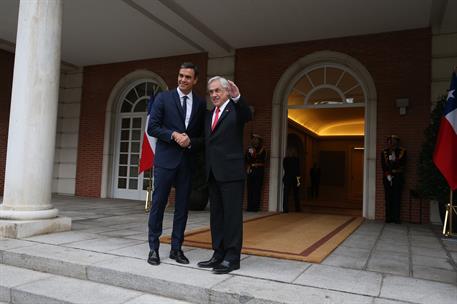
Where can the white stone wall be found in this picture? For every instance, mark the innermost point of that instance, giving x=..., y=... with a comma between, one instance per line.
x=65, y=158
x=444, y=59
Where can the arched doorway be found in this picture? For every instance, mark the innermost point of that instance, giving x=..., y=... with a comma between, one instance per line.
x=130, y=127
x=124, y=127
x=344, y=83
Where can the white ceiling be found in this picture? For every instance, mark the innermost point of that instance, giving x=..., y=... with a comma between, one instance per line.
x=104, y=31
x=331, y=121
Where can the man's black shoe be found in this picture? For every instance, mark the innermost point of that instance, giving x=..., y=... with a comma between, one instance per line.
x=226, y=267
x=214, y=261
x=153, y=257
x=178, y=256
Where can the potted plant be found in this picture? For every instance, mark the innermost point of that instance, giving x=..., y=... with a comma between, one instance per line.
x=431, y=184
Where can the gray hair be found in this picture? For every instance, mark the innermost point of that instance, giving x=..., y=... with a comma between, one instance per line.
x=224, y=82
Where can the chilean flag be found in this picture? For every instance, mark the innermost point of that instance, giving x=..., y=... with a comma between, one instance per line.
x=149, y=144
x=445, y=155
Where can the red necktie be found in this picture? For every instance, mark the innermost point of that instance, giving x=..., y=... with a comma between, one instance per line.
x=216, y=118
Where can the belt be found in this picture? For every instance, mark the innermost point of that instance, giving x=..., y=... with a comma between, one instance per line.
x=257, y=165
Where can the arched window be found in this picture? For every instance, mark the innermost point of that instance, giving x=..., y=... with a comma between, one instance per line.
x=328, y=99
x=326, y=84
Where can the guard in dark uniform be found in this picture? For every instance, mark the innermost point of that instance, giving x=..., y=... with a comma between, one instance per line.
x=291, y=180
x=393, y=161
x=255, y=160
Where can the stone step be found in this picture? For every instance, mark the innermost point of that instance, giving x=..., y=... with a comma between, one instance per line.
x=319, y=284
x=24, y=286
x=174, y=281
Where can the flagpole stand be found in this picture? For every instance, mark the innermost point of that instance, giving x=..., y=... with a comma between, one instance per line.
x=451, y=210
x=149, y=189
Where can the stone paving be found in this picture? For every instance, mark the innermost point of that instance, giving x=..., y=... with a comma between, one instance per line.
x=378, y=263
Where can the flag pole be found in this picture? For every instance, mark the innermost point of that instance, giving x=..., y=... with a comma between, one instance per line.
x=451, y=213
x=148, y=203
x=450, y=210
x=444, y=155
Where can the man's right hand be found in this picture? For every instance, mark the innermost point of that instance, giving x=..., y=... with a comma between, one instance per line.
x=181, y=139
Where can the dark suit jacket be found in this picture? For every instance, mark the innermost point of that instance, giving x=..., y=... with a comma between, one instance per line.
x=167, y=116
x=224, y=146
x=291, y=166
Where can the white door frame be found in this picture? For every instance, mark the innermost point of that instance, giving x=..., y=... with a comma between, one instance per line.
x=111, y=115
x=279, y=125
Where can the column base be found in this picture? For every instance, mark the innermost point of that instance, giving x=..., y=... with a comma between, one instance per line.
x=21, y=229
x=6, y=214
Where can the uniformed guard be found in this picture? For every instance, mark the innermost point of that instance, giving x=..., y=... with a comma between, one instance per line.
x=256, y=156
x=393, y=161
x=291, y=179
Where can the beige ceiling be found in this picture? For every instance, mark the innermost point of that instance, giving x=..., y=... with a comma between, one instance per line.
x=106, y=31
x=330, y=121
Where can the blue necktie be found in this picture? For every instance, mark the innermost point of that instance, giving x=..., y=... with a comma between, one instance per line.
x=184, y=106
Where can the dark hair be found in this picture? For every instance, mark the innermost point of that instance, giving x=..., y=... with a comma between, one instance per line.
x=190, y=65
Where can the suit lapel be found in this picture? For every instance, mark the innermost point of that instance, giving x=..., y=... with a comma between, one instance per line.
x=209, y=118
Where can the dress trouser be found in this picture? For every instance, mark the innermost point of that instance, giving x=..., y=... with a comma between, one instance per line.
x=164, y=179
x=254, y=185
x=392, y=193
x=226, y=221
x=314, y=188
x=290, y=184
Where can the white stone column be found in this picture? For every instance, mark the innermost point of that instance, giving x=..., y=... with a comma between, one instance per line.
x=33, y=116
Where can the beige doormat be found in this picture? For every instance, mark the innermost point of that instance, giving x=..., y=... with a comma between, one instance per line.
x=295, y=236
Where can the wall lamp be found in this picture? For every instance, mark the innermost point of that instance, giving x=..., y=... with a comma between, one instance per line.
x=402, y=104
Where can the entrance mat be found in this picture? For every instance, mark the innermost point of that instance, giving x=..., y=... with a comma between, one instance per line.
x=294, y=236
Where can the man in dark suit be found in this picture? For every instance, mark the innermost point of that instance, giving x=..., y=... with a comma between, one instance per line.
x=291, y=179
x=393, y=162
x=256, y=156
x=176, y=120
x=226, y=173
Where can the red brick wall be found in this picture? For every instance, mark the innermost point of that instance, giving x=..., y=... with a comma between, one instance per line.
x=6, y=83
x=98, y=83
x=400, y=64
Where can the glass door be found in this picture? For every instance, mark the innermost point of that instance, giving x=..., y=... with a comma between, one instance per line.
x=131, y=124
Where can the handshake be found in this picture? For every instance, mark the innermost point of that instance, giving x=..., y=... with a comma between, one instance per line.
x=181, y=139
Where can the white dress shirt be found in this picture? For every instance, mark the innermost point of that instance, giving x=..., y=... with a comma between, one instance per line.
x=188, y=105
x=222, y=108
